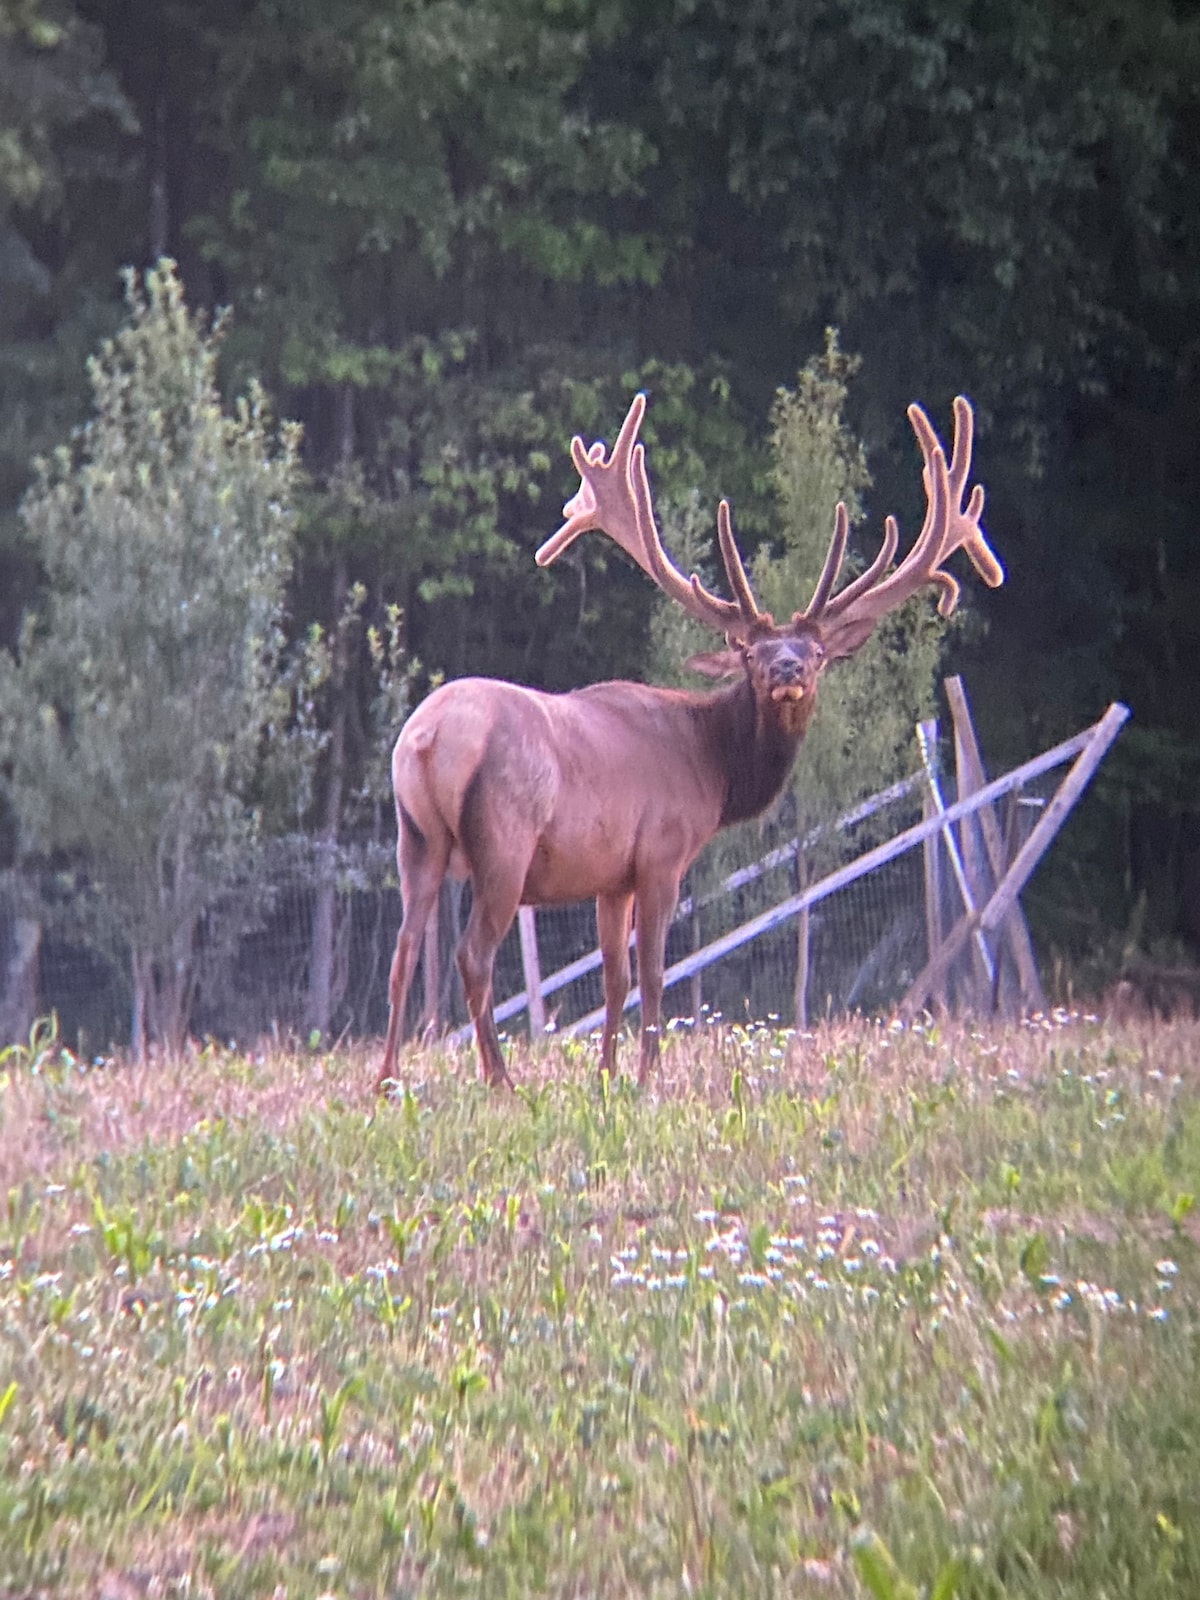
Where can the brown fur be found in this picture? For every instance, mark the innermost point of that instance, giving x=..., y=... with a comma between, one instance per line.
x=542, y=799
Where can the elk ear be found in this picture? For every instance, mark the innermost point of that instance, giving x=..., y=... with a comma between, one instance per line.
x=841, y=643
x=716, y=663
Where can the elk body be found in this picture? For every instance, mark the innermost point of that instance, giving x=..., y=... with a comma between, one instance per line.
x=612, y=791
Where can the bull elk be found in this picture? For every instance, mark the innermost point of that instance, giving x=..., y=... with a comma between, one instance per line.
x=613, y=790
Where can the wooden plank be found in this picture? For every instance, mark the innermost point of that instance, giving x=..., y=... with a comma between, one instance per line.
x=1052, y=818
x=527, y=925
x=971, y=769
x=934, y=932
x=1002, y=901
x=981, y=956
x=970, y=841
x=697, y=1001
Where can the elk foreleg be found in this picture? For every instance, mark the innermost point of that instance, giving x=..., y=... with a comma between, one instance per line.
x=422, y=865
x=655, y=903
x=614, y=915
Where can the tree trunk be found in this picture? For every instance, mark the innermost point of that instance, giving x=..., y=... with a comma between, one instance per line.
x=175, y=992
x=320, y=962
x=140, y=973
x=159, y=217
x=19, y=992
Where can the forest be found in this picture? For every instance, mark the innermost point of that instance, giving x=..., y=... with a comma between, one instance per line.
x=452, y=233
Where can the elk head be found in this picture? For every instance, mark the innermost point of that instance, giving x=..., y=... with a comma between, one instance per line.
x=784, y=662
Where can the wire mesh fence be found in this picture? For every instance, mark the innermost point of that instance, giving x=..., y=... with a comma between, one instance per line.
x=908, y=897
x=865, y=943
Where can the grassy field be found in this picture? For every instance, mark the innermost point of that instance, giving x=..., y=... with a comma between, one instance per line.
x=865, y=1312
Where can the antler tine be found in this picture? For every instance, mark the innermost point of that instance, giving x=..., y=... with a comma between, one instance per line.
x=582, y=510
x=735, y=571
x=965, y=524
x=821, y=606
x=833, y=565
x=690, y=593
x=948, y=526
x=868, y=579
x=614, y=497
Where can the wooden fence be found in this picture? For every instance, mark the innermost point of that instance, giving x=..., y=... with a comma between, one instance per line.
x=983, y=961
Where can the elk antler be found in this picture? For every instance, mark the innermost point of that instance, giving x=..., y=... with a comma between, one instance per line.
x=614, y=496
x=848, y=617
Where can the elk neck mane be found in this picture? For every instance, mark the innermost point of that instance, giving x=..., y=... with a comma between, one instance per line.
x=754, y=753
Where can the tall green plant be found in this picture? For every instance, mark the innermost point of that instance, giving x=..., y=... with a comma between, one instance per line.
x=145, y=697
x=861, y=738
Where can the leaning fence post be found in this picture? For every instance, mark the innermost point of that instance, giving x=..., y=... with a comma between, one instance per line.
x=527, y=925
x=1021, y=868
x=972, y=777
x=984, y=966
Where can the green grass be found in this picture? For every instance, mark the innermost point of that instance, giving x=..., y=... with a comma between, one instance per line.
x=866, y=1312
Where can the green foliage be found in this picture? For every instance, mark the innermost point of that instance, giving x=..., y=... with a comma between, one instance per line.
x=454, y=233
x=151, y=688
x=936, y=175
x=389, y=248
x=862, y=734
x=52, y=64
x=63, y=119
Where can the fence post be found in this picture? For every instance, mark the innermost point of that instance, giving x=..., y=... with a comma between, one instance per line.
x=803, y=948
x=927, y=733
x=527, y=924
x=697, y=976
x=999, y=850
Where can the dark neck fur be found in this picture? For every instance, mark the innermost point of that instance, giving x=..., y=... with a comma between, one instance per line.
x=754, y=754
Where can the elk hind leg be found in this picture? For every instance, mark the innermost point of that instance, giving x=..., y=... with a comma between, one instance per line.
x=422, y=862
x=497, y=878
x=614, y=916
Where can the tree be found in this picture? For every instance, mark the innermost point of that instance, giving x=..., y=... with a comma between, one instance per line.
x=457, y=232
x=862, y=735
x=63, y=120
x=137, y=714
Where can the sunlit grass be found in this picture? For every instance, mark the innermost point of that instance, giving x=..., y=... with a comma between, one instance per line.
x=859, y=1312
